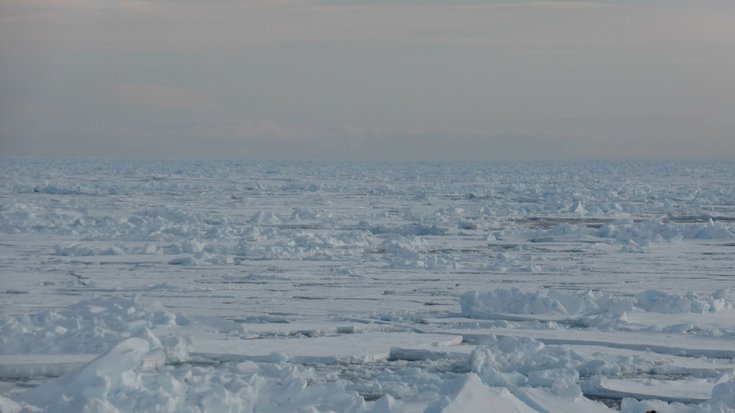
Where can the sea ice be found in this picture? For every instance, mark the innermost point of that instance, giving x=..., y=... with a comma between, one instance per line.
x=206, y=286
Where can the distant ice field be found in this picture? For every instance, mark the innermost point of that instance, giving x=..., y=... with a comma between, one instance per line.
x=383, y=287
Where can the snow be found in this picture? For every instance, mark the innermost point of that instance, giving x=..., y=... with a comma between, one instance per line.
x=206, y=286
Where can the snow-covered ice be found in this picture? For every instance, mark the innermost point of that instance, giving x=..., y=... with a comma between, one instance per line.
x=208, y=286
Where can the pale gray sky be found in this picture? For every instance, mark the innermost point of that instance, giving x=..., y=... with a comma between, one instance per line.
x=403, y=79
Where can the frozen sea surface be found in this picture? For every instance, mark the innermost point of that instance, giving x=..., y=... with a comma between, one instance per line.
x=209, y=286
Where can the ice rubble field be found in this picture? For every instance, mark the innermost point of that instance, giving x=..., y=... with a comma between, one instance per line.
x=223, y=286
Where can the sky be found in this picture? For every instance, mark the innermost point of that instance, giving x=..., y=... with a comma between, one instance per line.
x=383, y=80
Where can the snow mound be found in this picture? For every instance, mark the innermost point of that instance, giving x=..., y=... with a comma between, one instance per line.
x=307, y=246
x=476, y=304
x=655, y=231
x=504, y=262
x=79, y=250
x=412, y=253
x=520, y=361
x=482, y=305
x=628, y=231
x=474, y=396
x=133, y=377
x=659, y=302
x=91, y=326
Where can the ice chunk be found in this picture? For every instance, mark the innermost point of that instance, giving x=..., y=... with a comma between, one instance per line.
x=26, y=366
x=474, y=396
x=513, y=301
x=91, y=326
x=660, y=302
x=546, y=401
x=9, y=406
